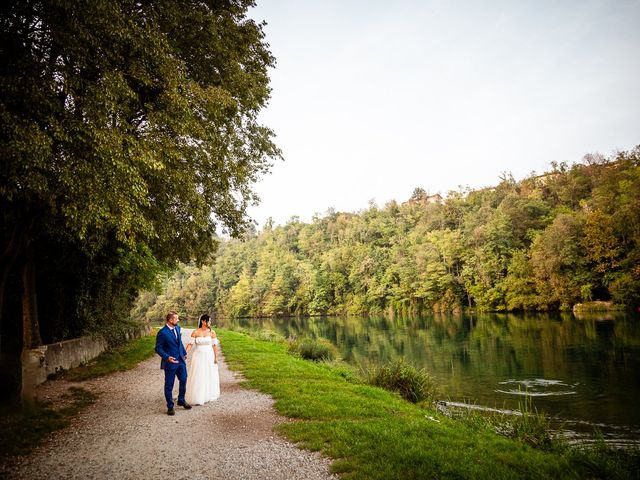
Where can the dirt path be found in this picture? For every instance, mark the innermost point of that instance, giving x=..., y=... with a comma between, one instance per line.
x=127, y=434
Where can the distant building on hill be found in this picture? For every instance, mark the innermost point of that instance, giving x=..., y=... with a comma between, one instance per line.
x=420, y=195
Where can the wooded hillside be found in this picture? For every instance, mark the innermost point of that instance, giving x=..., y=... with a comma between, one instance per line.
x=543, y=243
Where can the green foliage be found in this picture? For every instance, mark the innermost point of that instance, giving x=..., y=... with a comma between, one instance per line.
x=544, y=243
x=313, y=349
x=415, y=385
x=532, y=427
x=129, y=137
x=625, y=288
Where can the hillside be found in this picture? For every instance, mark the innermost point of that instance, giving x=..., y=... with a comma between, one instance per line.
x=545, y=242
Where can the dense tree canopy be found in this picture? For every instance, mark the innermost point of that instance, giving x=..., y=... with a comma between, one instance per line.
x=544, y=243
x=129, y=133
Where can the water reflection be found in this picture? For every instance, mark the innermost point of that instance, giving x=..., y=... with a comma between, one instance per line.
x=581, y=369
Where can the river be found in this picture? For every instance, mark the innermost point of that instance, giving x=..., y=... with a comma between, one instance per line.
x=583, y=372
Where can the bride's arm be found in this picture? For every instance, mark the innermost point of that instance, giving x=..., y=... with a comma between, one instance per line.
x=191, y=341
x=214, y=344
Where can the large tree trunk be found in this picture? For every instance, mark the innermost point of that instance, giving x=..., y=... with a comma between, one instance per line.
x=4, y=276
x=30, y=326
x=31, y=358
x=7, y=261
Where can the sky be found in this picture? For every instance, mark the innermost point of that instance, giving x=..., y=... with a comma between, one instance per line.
x=371, y=99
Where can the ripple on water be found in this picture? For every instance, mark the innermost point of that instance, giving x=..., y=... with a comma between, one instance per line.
x=580, y=433
x=537, y=387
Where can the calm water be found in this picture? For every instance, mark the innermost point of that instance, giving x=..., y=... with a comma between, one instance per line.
x=584, y=371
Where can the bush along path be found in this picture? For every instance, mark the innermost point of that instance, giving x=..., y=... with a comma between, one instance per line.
x=126, y=433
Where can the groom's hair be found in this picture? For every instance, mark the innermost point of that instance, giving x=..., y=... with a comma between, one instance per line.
x=169, y=315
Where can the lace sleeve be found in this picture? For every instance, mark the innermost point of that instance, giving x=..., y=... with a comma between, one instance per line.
x=191, y=341
x=216, y=341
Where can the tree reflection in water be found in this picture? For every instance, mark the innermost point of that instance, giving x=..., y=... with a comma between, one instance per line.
x=580, y=369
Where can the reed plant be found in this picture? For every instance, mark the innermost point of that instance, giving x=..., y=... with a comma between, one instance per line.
x=525, y=425
x=532, y=427
x=267, y=335
x=313, y=349
x=415, y=385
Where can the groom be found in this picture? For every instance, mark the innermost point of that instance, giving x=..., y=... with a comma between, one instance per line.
x=174, y=361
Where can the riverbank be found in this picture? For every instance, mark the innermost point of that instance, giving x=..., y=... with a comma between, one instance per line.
x=373, y=434
x=126, y=434
x=368, y=433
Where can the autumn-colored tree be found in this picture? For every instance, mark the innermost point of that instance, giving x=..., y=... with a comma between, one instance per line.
x=543, y=243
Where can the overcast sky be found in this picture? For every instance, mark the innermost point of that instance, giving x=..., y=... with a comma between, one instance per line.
x=372, y=99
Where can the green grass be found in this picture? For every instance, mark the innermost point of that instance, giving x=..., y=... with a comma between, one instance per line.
x=23, y=429
x=372, y=433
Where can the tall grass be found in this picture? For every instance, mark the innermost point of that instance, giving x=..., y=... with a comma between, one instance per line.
x=415, y=385
x=268, y=335
x=313, y=349
x=533, y=427
x=525, y=425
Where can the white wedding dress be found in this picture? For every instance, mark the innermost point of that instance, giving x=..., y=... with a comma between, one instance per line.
x=203, y=379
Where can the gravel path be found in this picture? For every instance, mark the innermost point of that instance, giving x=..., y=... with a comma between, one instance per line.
x=127, y=434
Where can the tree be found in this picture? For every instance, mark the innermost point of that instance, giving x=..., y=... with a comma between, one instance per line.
x=558, y=261
x=127, y=126
x=419, y=194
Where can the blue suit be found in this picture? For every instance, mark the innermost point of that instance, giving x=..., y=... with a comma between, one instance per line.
x=167, y=345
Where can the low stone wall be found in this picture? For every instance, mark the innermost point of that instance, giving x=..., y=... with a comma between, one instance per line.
x=40, y=362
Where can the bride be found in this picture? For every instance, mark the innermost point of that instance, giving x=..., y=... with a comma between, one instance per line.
x=203, y=384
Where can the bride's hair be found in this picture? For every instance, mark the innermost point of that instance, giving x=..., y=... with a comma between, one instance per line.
x=203, y=318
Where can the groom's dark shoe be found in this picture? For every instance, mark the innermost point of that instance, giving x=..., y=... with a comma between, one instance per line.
x=171, y=411
x=184, y=405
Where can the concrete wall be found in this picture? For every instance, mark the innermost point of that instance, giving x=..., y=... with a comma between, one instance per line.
x=40, y=362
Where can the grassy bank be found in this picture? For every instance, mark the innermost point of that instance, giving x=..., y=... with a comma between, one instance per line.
x=371, y=433
x=22, y=428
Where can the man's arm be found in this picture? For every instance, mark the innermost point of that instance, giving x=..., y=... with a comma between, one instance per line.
x=160, y=348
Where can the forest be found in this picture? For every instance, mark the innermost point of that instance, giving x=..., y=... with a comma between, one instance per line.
x=129, y=139
x=543, y=243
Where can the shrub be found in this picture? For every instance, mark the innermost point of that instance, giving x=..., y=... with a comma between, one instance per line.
x=313, y=349
x=267, y=335
x=532, y=427
x=415, y=385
